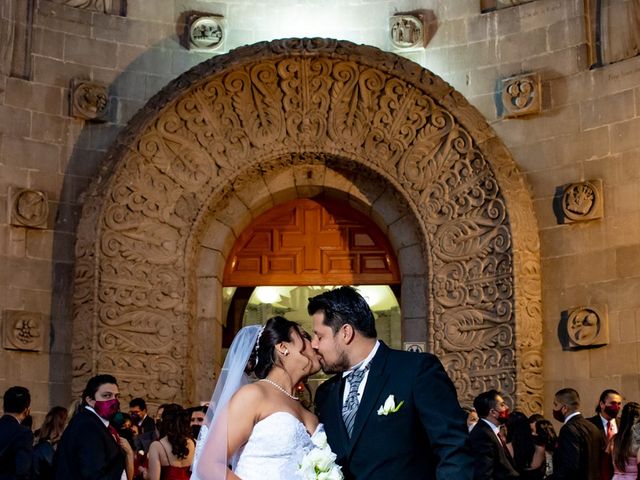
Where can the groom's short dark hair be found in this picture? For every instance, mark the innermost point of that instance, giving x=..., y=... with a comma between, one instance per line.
x=342, y=306
x=485, y=402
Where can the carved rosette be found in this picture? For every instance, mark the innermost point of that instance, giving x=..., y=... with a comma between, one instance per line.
x=268, y=106
x=206, y=32
x=587, y=327
x=29, y=208
x=521, y=95
x=583, y=201
x=88, y=100
x=23, y=330
x=407, y=32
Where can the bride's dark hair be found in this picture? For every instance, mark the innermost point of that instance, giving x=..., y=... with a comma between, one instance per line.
x=276, y=330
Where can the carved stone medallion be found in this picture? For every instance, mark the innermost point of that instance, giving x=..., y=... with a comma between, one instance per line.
x=115, y=7
x=418, y=347
x=521, y=95
x=587, y=327
x=323, y=106
x=89, y=100
x=407, y=32
x=206, y=32
x=23, y=330
x=29, y=208
x=583, y=201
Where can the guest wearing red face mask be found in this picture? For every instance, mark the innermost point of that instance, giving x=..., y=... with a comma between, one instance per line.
x=491, y=458
x=606, y=419
x=90, y=448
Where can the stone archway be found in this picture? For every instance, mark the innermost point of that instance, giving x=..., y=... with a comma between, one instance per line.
x=245, y=131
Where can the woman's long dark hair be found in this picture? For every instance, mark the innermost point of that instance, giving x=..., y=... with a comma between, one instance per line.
x=546, y=435
x=175, y=426
x=53, y=425
x=521, y=438
x=623, y=439
x=276, y=330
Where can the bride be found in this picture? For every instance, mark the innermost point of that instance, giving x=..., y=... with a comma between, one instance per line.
x=259, y=430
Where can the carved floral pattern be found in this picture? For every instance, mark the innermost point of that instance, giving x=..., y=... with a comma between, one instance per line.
x=269, y=106
x=583, y=201
x=23, y=330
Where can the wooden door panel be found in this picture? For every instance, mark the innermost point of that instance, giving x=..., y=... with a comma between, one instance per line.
x=312, y=242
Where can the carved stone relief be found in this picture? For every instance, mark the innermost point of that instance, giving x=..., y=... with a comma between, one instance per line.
x=23, y=330
x=521, y=95
x=88, y=100
x=115, y=7
x=29, y=208
x=206, y=32
x=414, y=347
x=587, y=327
x=372, y=112
x=583, y=201
x=407, y=32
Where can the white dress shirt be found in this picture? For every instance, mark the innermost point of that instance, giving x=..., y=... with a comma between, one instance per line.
x=569, y=417
x=604, y=421
x=362, y=364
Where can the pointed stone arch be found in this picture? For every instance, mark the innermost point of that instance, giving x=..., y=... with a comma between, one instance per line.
x=245, y=131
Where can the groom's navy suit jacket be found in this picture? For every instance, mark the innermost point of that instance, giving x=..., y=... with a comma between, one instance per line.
x=426, y=439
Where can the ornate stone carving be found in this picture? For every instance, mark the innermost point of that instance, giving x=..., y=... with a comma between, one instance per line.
x=583, y=201
x=29, y=208
x=373, y=113
x=414, y=346
x=115, y=7
x=23, y=330
x=88, y=100
x=206, y=32
x=407, y=32
x=587, y=327
x=521, y=95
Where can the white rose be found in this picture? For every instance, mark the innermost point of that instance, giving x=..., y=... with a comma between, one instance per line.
x=334, y=474
x=320, y=439
x=389, y=404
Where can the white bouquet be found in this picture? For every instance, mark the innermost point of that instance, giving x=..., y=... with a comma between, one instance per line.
x=320, y=462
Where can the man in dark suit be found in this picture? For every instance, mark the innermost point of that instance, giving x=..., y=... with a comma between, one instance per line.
x=580, y=443
x=606, y=419
x=491, y=459
x=388, y=414
x=90, y=449
x=16, y=440
x=144, y=423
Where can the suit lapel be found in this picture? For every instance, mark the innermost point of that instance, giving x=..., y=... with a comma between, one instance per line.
x=376, y=380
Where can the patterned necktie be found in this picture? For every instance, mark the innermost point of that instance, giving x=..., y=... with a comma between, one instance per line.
x=350, y=407
x=610, y=432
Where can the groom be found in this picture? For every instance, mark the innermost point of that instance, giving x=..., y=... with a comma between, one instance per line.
x=388, y=414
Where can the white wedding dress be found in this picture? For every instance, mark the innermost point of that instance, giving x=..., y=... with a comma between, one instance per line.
x=275, y=448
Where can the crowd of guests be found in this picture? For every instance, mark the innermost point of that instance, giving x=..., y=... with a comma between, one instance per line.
x=93, y=439
x=513, y=446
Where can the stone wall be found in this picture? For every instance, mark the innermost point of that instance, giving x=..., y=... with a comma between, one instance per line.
x=586, y=129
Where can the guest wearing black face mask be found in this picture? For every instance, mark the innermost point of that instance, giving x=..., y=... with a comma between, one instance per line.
x=580, y=443
x=606, y=419
x=198, y=415
x=491, y=458
x=144, y=424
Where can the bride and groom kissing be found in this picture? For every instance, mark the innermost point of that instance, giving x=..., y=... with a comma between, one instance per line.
x=386, y=414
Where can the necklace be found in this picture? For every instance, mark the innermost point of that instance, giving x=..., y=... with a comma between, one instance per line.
x=281, y=388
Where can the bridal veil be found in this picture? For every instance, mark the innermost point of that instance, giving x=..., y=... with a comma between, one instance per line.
x=211, y=451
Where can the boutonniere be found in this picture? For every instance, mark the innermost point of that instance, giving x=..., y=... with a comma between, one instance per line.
x=389, y=406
